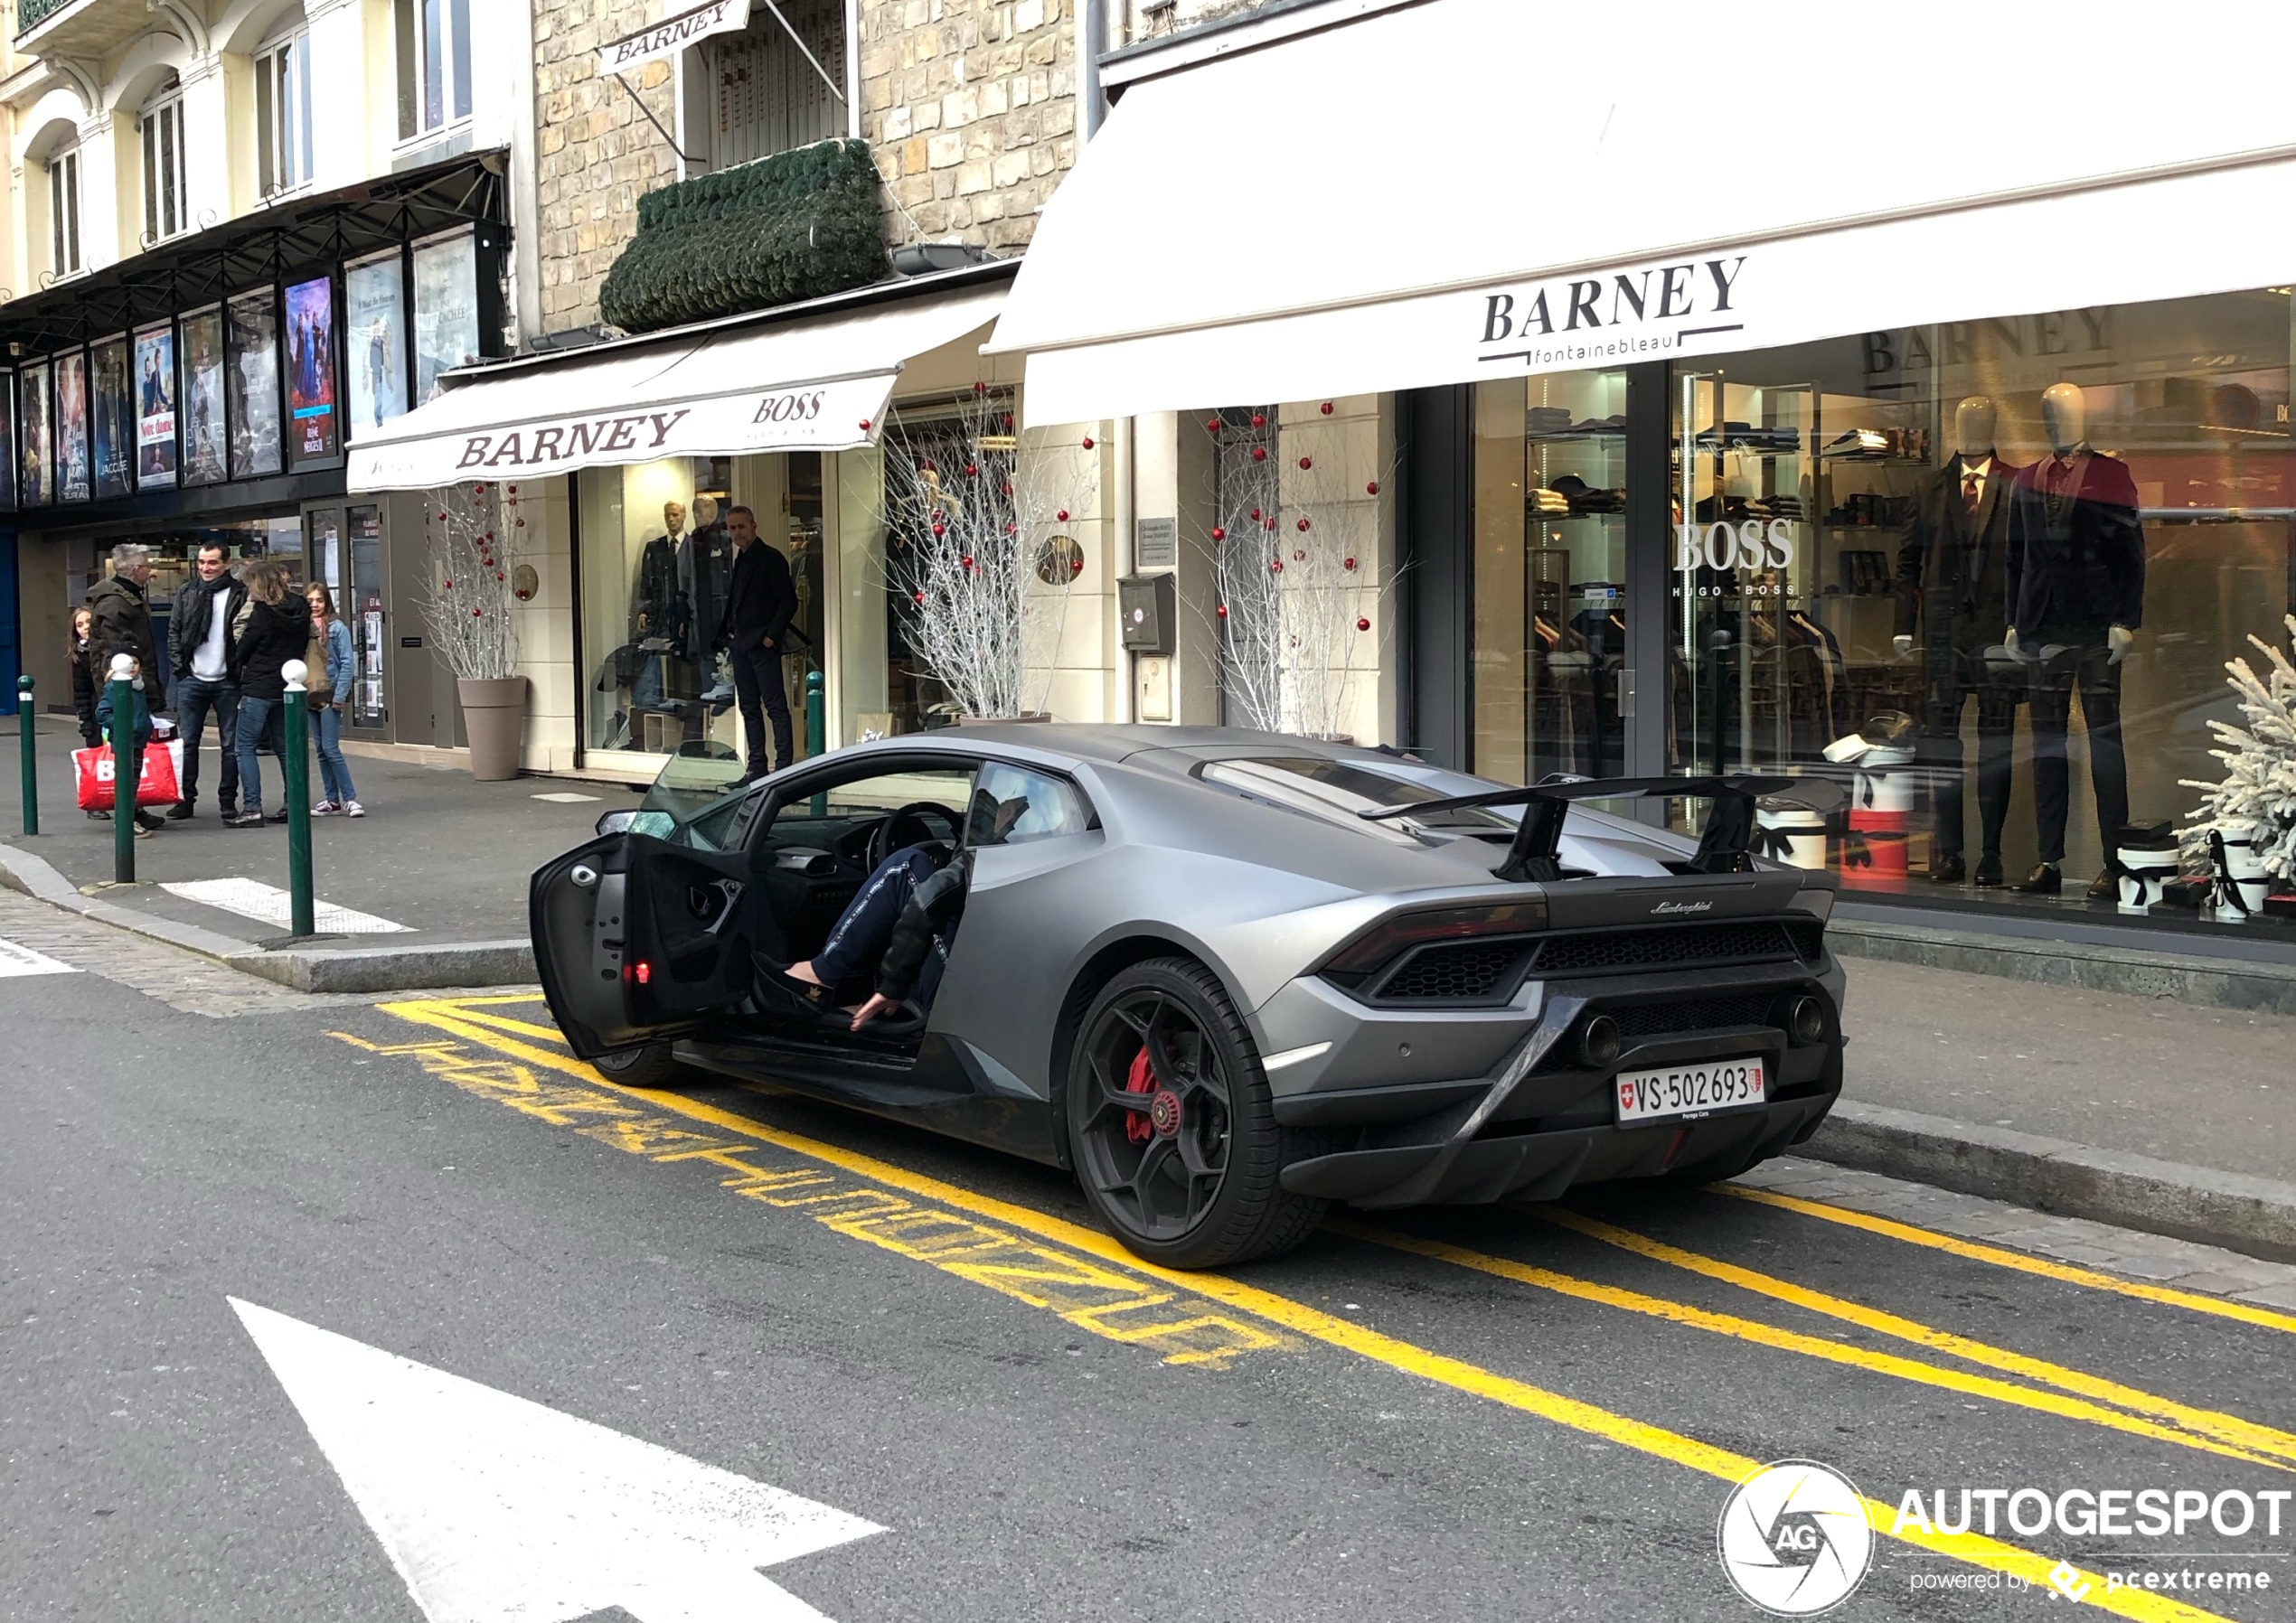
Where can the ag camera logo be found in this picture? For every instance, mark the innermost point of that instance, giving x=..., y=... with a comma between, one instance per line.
x=1794, y=1539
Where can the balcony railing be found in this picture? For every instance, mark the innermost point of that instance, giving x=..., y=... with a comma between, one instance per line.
x=31, y=14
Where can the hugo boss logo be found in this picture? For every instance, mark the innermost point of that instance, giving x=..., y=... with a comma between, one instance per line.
x=1752, y=545
x=799, y=406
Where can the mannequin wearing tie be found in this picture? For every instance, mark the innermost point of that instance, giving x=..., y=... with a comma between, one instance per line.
x=2076, y=596
x=1952, y=591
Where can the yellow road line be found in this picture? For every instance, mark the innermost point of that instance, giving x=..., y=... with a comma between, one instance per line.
x=2208, y=1422
x=1793, y=1341
x=1976, y=1250
x=1313, y=1323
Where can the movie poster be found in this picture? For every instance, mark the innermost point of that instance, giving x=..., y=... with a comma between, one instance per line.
x=201, y=338
x=374, y=329
x=75, y=477
x=155, y=407
x=39, y=480
x=113, y=420
x=254, y=324
x=7, y=440
x=314, y=428
x=446, y=309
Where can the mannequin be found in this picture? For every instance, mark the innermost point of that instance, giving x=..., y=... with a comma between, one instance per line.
x=657, y=608
x=705, y=564
x=2076, y=598
x=1953, y=588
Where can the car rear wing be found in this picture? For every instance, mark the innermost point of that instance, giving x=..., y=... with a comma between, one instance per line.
x=1535, y=856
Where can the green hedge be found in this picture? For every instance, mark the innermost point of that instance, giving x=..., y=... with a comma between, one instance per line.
x=793, y=226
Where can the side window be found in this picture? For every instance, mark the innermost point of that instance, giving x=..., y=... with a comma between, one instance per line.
x=1012, y=805
x=842, y=818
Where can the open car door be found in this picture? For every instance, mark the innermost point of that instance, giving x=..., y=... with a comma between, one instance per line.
x=637, y=939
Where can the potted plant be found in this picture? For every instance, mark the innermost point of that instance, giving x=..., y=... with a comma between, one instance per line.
x=467, y=528
x=2245, y=828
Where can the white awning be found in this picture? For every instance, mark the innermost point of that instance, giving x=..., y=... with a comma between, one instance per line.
x=1463, y=188
x=817, y=384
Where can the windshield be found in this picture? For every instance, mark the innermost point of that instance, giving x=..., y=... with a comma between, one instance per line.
x=703, y=775
x=1338, y=790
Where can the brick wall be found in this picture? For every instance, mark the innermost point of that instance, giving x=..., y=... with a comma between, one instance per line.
x=595, y=153
x=970, y=108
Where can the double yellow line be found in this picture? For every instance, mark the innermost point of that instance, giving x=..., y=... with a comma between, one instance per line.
x=473, y=1022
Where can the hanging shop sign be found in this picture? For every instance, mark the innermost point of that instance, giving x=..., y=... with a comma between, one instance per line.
x=155, y=394
x=672, y=34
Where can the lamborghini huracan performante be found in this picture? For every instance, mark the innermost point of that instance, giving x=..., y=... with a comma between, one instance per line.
x=1227, y=978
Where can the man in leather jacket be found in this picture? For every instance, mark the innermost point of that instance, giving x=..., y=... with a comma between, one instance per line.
x=205, y=649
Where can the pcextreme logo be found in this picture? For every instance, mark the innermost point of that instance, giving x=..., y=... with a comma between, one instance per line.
x=1794, y=1539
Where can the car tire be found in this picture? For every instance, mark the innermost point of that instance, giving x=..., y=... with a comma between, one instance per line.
x=1237, y=1214
x=648, y=1065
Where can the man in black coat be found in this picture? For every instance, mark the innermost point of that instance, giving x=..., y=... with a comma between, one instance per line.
x=760, y=603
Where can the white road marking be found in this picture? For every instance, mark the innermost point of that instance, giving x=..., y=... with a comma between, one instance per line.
x=23, y=961
x=495, y=1509
x=269, y=905
x=567, y=797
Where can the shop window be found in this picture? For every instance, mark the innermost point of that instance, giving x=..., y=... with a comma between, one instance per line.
x=1550, y=572
x=434, y=65
x=165, y=186
x=63, y=212
x=655, y=559
x=283, y=114
x=1985, y=576
x=771, y=85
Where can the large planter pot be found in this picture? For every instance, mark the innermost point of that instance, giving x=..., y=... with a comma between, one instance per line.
x=495, y=720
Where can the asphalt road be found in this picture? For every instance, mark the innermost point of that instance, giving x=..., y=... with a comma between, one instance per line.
x=1469, y=1414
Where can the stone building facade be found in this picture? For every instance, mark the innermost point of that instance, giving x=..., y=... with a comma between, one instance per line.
x=968, y=106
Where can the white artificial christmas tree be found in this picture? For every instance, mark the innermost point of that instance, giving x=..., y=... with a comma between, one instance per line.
x=972, y=520
x=467, y=533
x=2257, y=798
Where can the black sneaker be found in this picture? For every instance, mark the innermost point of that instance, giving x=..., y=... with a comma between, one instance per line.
x=180, y=812
x=278, y=816
x=244, y=819
x=149, y=822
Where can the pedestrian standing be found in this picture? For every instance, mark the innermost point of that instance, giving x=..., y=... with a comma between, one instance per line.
x=331, y=641
x=279, y=628
x=139, y=735
x=207, y=672
x=760, y=603
x=78, y=653
x=120, y=622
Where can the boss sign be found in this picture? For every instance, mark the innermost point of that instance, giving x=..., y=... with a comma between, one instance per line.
x=1752, y=545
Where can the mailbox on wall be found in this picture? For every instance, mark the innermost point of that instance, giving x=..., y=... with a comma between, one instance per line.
x=1146, y=603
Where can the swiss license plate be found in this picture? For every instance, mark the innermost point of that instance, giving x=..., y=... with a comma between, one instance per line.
x=1688, y=1090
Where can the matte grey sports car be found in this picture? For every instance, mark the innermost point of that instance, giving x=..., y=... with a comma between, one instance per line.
x=1227, y=977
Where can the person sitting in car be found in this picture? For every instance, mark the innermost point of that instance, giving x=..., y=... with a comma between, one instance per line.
x=902, y=919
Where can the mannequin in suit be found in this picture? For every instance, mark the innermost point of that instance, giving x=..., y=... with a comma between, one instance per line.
x=2076, y=598
x=705, y=566
x=1952, y=590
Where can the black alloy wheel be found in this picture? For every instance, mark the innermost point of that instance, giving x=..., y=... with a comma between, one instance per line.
x=648, y=1065
x=1172, y=1125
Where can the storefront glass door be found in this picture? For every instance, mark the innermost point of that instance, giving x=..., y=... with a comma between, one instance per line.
x=1549, y=573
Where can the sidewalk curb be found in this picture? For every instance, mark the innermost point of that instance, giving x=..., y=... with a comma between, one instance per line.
x=2188, y=977
x=2256, y=1215
x=443, y=966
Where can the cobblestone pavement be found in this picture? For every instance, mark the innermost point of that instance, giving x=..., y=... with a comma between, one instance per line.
x=2152, y=1258
x=184, y=981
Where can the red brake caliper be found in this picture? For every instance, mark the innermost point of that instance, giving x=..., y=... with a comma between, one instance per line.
x=1140, y=1079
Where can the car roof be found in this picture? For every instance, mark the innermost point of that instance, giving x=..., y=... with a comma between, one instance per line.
x=1113, y=741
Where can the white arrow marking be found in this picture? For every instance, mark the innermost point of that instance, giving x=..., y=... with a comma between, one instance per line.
x=495, y=1509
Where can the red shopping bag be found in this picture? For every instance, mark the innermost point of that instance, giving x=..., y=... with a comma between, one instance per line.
x=160, y=784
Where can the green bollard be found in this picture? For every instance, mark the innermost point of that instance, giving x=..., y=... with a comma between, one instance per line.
x=26, y=719
x=816, y=731
x=123, y=780
x=296, y=770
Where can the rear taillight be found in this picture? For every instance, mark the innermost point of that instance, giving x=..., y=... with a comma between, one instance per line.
x=1390, y=936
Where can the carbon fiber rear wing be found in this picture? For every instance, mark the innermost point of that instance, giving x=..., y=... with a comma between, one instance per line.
x=1534, y=858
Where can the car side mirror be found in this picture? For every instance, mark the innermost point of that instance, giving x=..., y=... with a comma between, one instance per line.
x=618, y=821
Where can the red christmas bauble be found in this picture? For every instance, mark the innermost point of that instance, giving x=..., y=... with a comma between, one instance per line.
x=1219, y=534
x=1276, y=566
x=1371, y=488
x=980, y=389
x=968, y=560
x=920, y=598
x=1259, y=453
x=1346, y=563
x=1327, y=409
x=1009, y=528
x=513, y=490
x=1222, y=611
x=446, y=586
x=1306, y=462
x=498, y=574
x=1255, y=513
x=925, y=466
x=940, y=529
x=1271, y=520
x=1087, y=442
x=970, y=471
x=475, y=614
x=1363, y=625
x=1062, y=515
x=864, y=425
x=1211, y=424
x=1299, y=555
x=1259, y=419
x=1302, y=524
